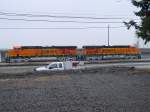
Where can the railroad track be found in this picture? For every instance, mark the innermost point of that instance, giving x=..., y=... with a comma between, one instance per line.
x=86, y=62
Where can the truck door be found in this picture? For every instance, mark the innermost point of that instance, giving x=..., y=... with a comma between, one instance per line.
x=61, y=66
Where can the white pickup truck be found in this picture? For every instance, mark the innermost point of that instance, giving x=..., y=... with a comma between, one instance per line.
x=55, y=66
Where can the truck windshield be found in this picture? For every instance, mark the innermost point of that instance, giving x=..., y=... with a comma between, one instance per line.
x=53, y=66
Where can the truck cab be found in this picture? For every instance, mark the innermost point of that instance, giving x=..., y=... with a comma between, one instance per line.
x=56, y=66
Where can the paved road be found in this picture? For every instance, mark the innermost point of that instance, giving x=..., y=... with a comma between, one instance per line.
x=135, y=64
x=17, y=69
x=23, y=69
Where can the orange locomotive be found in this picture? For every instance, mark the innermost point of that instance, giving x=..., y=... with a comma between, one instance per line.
x=29, y=53
x=110, y=52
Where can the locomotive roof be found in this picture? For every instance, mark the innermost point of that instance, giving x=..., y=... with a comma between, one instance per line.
x=64, y=46
x=117, y=46
x=43, y=47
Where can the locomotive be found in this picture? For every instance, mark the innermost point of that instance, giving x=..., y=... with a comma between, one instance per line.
x=59, y=53
x=40, y=53
x=111, y=52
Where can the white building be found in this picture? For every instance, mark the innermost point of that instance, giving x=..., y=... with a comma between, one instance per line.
x=2, y=55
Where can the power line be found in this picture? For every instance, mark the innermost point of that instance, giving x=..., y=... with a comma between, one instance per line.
x=66, y=16
x=60, y=28
x=44, y=20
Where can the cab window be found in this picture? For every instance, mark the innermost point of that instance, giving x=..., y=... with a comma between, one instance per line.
x=60, y=65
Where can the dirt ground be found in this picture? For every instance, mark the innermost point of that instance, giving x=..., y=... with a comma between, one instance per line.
x=108, y=89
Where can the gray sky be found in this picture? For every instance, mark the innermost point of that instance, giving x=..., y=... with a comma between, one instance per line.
x=79, y=37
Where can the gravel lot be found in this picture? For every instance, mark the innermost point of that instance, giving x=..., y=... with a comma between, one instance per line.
x=105, y=89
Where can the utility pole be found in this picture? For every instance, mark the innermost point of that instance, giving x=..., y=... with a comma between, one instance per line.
x=108, y=34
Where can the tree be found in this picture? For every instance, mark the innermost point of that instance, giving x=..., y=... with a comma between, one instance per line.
x=142, y=29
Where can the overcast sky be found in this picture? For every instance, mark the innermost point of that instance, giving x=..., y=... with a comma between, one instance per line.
x=76, y=8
